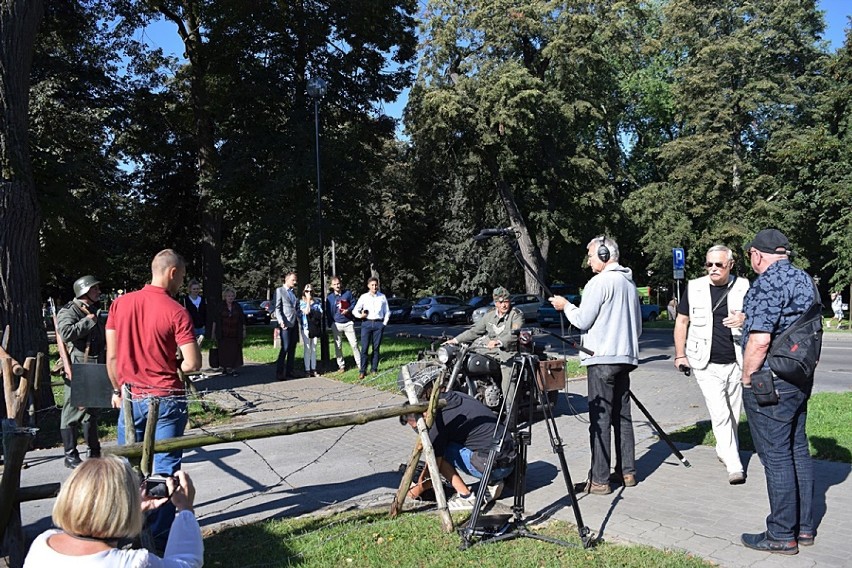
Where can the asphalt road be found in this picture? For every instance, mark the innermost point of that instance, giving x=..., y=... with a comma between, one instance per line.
x=656, y=349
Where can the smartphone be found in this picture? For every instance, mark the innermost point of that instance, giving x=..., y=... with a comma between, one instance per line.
x=155, y=486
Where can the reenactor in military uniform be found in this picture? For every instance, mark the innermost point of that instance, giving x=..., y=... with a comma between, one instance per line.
x=493, y=333
x=79, y=327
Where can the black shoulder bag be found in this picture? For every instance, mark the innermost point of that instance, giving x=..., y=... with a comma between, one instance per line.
x=795, y=353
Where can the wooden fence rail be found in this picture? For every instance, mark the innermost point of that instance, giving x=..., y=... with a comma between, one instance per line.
x=285, y=427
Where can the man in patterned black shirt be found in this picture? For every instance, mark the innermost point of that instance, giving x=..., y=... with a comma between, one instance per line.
x=779, y=295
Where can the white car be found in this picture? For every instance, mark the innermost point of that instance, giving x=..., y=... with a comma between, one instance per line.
x=527, y=303
x=432, y=308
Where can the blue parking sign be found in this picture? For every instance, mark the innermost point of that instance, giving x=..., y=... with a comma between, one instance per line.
x=678, y=258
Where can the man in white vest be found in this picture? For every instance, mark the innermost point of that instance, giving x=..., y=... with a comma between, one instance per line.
x=706, y=339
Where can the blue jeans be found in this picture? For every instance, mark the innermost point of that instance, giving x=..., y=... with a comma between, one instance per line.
x=289, y=337
x=371, y=334
x=171, y=423
x=459, y=456
x=778, y=432
x=610, y=415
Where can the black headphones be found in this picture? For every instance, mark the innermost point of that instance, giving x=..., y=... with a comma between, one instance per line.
x=603, y=251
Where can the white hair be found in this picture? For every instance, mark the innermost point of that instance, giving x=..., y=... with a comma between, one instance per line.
x=722, y=248
x=608, y=243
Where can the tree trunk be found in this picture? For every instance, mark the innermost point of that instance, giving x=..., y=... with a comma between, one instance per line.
x=211, y=216
x=529, y=250
x=20, y=216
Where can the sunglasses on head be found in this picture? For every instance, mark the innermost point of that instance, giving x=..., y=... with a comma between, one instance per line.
x=716, y=264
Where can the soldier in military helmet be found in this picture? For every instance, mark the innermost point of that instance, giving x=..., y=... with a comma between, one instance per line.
x=493, y=334
x=79, y=327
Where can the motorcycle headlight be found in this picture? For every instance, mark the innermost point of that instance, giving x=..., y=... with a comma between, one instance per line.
x=447, y=353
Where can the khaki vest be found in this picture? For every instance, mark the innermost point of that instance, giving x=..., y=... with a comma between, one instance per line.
x=700, y=335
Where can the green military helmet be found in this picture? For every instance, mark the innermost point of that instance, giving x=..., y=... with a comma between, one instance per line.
x=83, y=284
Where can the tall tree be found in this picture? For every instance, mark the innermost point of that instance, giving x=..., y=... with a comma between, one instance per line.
x=20, y=216
x=743, y=79
x=515, y=101
x=835, y=170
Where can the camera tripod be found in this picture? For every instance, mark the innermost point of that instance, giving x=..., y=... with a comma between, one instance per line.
x=524, y=367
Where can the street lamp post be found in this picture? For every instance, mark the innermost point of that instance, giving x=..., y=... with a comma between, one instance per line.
x=317, y=88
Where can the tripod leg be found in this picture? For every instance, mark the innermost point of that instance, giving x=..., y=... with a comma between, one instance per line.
x=556, y=444
x=659, y=430
x=505, y=418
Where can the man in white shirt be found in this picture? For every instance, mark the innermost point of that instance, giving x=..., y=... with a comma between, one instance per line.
x=373, y=311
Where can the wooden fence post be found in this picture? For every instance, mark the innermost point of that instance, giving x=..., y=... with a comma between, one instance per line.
x=405, y=484
x=16, y=441
x=429, y=451
x=147, y=464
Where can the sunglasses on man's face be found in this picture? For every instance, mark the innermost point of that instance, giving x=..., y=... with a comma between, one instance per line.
x=716, y=264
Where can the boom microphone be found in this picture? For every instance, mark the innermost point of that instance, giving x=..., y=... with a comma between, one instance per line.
x=488, y=233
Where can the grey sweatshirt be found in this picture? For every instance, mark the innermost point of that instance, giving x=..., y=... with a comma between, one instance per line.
x=609, y=317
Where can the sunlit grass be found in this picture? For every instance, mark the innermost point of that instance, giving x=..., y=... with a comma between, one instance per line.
x=829, y=428
x=412, y=539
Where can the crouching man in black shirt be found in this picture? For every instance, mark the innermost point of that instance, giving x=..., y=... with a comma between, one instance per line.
x=461, y=436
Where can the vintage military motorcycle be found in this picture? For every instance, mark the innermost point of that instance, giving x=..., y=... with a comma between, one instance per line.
x=469, y=369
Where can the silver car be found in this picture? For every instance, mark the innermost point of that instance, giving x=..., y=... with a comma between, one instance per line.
x=527, y=303
x=432, y=308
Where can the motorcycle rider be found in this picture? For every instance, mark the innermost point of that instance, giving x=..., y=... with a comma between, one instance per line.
x=492, y=335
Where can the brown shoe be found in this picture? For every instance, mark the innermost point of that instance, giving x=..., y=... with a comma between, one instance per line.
x=361, y=376
x=597, y=488
x=627, y=480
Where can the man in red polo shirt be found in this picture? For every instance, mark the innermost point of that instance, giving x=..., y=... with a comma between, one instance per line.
x=144, y=332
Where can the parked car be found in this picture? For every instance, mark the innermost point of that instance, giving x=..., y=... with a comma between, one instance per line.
x=464, y=314
x=650, y=312
x=267, y=305
x=546, y=313
x=400, y=309
x=527, y=303
x=254, y=312
x=432, y=308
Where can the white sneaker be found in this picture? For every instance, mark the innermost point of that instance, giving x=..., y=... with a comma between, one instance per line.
x=493, y=492
x=459, y=503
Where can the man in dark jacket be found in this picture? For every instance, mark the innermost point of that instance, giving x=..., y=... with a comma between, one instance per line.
x=461, y=437
x=338, y=309
x=79, y=327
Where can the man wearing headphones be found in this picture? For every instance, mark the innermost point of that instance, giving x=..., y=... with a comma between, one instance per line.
x=610, y=320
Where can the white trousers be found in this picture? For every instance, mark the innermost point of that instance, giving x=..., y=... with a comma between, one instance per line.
x=338, y=330
x=310, y=346
x=723, y=394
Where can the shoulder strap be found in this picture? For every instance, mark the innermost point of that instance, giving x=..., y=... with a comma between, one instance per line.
x=812, y=314
x=725, y=294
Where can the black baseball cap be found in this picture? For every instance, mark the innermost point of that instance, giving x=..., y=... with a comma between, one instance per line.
x=771, y=241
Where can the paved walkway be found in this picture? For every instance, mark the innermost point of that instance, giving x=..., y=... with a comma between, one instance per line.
x=673, y=507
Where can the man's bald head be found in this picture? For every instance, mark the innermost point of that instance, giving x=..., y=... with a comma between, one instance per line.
x=168, y=270
x=166, y=259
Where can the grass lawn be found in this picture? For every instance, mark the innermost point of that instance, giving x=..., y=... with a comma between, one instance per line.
x=828, y=428
x=395, y=352
x=412, y=539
